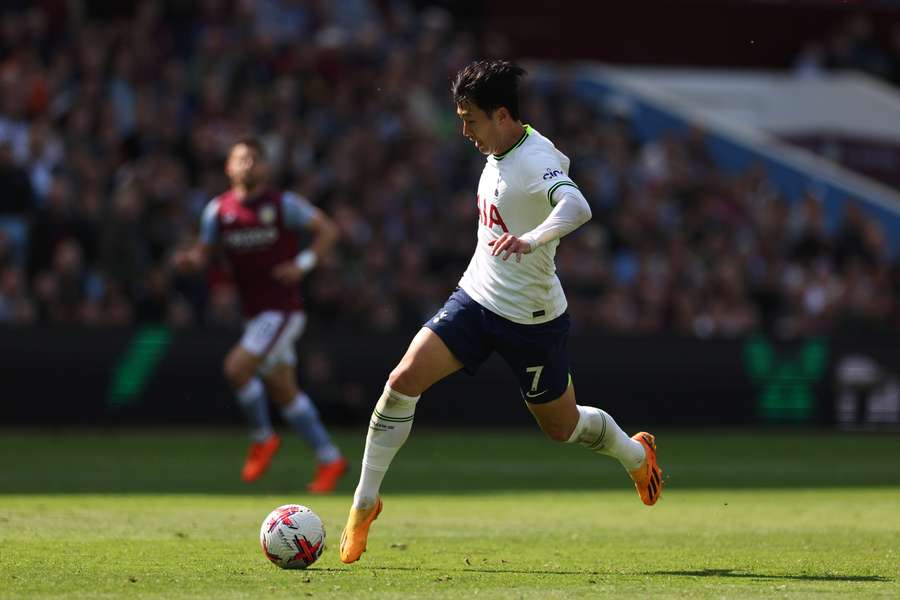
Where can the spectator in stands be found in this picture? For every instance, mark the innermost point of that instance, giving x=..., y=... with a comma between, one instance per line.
x=112, y=138
x=16, y=201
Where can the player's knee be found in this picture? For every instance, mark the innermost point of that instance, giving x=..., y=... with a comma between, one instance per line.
x=404, y=380
x=282, y=392
x=557, y=433
x=235, y=373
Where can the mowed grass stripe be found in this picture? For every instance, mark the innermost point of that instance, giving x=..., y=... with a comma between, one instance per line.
x=443, y=462
x=800, y=543
x=497, y=514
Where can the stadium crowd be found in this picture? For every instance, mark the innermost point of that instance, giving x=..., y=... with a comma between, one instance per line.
x=854, y=44
x=113, y=137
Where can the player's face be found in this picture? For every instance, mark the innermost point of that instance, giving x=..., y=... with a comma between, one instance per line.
x=245, y=167
x=481, y=129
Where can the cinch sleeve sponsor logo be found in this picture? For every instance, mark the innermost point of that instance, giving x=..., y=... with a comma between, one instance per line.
x=551, y=173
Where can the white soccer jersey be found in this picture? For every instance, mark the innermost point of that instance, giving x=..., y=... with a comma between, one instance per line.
x=515, y=195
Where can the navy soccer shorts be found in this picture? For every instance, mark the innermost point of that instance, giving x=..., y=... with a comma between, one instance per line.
x=537, y=354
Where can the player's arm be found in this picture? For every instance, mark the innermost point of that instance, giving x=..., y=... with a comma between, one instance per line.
x=197, y=256
x=571, y=212
x=194, y=258
x=301, y=214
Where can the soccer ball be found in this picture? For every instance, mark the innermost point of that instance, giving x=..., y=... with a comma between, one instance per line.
x=292, y=536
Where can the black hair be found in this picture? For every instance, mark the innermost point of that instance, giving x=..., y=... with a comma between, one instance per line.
x=489, y=84
x=252, y=142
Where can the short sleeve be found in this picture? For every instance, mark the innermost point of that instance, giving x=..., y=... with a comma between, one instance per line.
x=296, y=210
x=544, y=172
x=209, y=223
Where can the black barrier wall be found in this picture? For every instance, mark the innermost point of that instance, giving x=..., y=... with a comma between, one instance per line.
x=53, y=376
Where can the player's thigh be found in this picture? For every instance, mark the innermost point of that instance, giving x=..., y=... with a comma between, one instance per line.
x=538, y=356
x=267, y=340
x=281, y=383
x=263, y=332
x=427, y=361
x=240, y=365
x=280, y=349
x=558, y=417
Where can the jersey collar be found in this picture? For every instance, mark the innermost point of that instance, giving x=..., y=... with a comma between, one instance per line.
x=258, y=198
x=525, y=134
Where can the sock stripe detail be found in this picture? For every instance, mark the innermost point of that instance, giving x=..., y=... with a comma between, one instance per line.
x=392, y=419
x=599, y=443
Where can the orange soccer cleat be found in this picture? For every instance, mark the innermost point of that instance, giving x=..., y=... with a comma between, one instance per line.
x=356, y=533
x=259, y=457
x=327, y=476
x=648, y=477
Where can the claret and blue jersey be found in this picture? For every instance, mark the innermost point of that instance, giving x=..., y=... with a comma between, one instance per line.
x=257, y=234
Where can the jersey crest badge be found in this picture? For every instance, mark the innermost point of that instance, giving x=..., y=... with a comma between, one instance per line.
x=267, y=215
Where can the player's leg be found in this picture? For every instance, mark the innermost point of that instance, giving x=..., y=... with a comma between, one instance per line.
x=263, y=333
x=538, y=354
x=596, y=430
x=427, y=361
x=452, y=340
x=299, y=411
x=240, y=368
x=296, y=407
x=565, y=421
x=301, y=414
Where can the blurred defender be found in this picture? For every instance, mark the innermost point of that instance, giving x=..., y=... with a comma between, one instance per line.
x=257, y=227
x=526, y=202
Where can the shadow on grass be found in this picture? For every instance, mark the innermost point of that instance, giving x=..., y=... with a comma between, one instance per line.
x=473, y=569
x=744, y=575
x=697, y=573
x=446, y=462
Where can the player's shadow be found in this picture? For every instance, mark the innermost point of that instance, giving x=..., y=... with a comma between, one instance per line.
x=473, y=569
x=745, y=575
x=696, y=573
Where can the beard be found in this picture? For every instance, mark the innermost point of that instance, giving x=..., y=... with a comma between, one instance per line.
x=249, y=180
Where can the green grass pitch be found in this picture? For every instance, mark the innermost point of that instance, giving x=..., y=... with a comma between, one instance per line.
x=467, y=513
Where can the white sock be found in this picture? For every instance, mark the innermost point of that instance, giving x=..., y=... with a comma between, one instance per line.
x=598, y=431
x=388, y=429
x=252, y=400
x=302, y=415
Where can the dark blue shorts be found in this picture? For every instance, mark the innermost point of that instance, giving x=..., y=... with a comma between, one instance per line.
x=537, y=354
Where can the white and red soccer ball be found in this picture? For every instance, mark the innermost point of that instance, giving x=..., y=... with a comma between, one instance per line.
x=292, y=536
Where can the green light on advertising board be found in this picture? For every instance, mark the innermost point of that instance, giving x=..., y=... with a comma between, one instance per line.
x=786, y=382
x=134, y=370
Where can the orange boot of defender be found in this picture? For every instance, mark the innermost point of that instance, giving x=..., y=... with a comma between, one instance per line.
x=327, y=476
x=259, y=457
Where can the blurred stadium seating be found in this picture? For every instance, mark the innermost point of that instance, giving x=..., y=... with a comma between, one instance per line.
x=112, y=134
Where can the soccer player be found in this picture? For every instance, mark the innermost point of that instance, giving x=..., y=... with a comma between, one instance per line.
x=509, y=300
x=257, y=227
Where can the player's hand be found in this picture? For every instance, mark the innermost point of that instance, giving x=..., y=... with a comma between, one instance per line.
x=190, y=259
x=508, y=244
x=287, y=273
